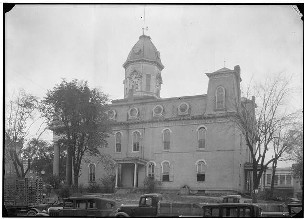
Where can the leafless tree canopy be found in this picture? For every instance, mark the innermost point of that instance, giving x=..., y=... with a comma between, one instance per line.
x=264, y=128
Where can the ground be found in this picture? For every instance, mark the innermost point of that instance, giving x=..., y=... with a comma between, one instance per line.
x=133, y=198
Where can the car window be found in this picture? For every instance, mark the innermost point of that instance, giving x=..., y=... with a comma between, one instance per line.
x=211, y=212
x=229, y=212
x=68, y=204
x=148, y=201
x=245, y=212
x=81, y=204
x=109, y=205
x=91, y=204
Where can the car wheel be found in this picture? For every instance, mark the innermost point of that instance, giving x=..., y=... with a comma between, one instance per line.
x=31, y=213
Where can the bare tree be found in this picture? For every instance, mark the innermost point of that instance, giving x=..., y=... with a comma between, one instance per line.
x=261, y=126
x=19, y=119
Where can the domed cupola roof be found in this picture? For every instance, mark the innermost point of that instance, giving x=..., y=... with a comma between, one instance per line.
x=144, y=50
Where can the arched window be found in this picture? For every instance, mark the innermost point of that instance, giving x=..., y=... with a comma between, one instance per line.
x=166, y=139
x=201, y=136
x=151, y=169
x=220, y=98
x=165, y=171
x=118, y=142
x=92, y=172
x=136, y=138
x=200, y=171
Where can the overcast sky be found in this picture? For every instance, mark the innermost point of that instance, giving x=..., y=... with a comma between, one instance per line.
x=45, y=43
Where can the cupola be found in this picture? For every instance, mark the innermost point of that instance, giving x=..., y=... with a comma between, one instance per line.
x=143, y=70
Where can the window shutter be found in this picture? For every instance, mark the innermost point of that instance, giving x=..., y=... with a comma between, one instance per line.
x=171, y=174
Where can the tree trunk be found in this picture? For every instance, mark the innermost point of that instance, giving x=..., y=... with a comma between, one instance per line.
x=255, y=182
x=274, y=167
x=69, y=166
x=76, y=179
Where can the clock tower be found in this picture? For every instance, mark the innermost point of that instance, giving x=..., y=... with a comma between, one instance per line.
x=143, y=70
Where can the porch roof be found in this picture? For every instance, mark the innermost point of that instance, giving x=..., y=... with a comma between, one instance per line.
x=131, y=160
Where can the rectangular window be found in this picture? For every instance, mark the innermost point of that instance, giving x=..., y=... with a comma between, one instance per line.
x=201, y=143
x=282, y=179
x=118, y=147
x=268, y=178
x=136, y=146
x=165, y=177
x=166, y=145
x=288, y=180
x=200, y=177
x=276, y=179
x=148, y=82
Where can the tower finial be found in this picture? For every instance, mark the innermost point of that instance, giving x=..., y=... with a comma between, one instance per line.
x=224, y=63
x=144, y=18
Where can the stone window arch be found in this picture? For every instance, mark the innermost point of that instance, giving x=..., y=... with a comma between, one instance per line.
x=118, y=137
x=220, y=98
x=166, y=139
x=151, y=169
x=201, y=170
x=201, y=137
x=135, y=141
x=92, y=173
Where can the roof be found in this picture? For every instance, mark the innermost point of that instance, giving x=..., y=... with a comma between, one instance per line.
x=229, y=204
x=144, y=50
x=223, y=69
x=95, y=197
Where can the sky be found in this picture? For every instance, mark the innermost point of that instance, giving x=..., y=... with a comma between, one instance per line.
x=45, y=43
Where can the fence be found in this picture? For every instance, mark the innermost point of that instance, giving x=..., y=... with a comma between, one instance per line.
x=26, y=191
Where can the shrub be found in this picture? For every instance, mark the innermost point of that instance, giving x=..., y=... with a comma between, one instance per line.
x=150, y=184
x=108, y=183
x=54, y=181
x=93, y=188
x=64, y=192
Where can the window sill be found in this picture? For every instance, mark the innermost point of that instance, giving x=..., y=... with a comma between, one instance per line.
x=135, y=151
x=201, y=149
x=220, y=110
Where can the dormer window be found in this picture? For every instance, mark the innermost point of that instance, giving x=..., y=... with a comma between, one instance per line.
x=183, y=109
x=220, y=98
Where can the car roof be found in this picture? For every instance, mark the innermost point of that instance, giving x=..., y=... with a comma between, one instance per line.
x=153, y=194
x=95, y=197
x=229, y=204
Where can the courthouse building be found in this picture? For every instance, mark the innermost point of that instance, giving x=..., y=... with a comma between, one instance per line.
x=187, y=140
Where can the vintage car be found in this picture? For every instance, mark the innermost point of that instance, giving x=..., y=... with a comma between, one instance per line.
x=151, y=205
x=231, y=210
x=273, y=210
x=85, y=206
x=235, y=199
x=295, y=210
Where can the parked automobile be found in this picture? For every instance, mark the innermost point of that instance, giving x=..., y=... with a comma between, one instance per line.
x=273, y=210
x=295, y=210
x=231, y=210
x=151, y=205
x=235, y=199
x=85, y=206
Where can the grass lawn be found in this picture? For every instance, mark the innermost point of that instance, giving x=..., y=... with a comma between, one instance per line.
x=133, y=198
